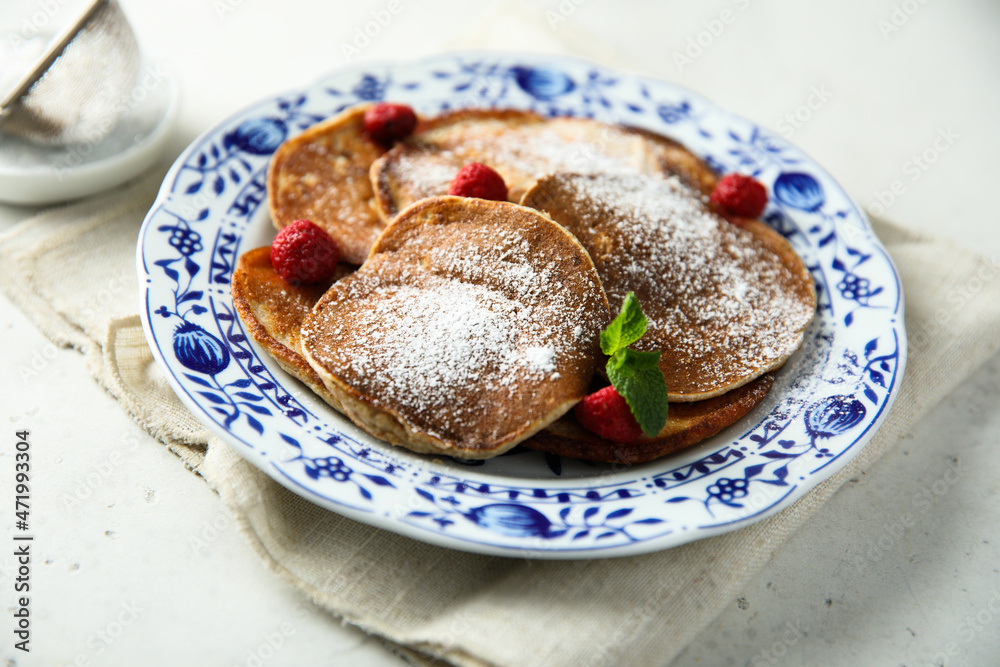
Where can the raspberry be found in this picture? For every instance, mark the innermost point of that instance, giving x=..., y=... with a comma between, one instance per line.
x=741, y=195
x=479, y=181
x=304, y=253
x=605, y=413
x=387, y=123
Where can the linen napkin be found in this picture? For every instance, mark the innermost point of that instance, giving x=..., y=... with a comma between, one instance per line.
x=72, y=271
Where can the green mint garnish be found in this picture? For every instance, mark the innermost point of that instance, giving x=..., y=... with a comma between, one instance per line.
x=634, y=374
x=625, y=329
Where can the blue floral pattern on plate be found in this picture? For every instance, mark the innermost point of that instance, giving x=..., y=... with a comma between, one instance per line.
x=826, y=403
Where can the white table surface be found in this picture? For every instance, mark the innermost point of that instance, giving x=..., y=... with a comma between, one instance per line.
x=136, y=563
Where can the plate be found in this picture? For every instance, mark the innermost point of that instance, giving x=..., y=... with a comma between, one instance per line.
x=827, y=402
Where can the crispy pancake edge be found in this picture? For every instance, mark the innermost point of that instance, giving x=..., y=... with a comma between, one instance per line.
x=289, y=359
x=280, y=155
x=687, y=424
x=427, y=125
x=563, y=437
x=288, y=148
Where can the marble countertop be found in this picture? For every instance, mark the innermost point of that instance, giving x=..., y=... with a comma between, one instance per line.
x=897, y=99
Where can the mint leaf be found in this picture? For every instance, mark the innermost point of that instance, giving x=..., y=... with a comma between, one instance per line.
x=627, y=361
x=635, y=374
x=638, y=378
x=625, y=329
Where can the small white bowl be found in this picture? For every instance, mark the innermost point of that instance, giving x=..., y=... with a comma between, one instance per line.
x=33, y=175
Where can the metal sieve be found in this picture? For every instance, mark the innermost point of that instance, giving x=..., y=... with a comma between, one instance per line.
x=79, y=88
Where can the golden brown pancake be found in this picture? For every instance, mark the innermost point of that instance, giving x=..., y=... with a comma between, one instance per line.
x=272, y=311
x=725, y=303
x=302, y=184
x=472, y=325
x=522, y=147
x=322, y=175
x=674, y=159
x=687, y=424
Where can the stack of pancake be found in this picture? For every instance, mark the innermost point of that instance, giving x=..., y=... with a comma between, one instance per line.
x=471, y=326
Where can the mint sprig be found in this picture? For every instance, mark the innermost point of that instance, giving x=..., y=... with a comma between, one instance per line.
x=635, y=375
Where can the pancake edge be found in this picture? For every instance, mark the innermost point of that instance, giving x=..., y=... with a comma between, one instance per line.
x=290, y=360
x=592, y=448
x=771, y=238
x=386, y=423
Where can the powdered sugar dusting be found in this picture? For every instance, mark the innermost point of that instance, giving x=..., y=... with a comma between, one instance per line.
x=561, y=145
x=423, y=340
x=541, y=358
x=427, y=174
x=721, y=305
x=521, y=152
x=453, y=326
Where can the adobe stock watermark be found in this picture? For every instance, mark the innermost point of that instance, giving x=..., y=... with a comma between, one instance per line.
x=107, y=294
x=957, y=299
x=105, y=637
x=458, y=627
x=792, y=121
x=987, y=618
x=209, y=532
x=899, y=16
x=37, y=362
x=892, y=532
x=223, y=7
x=754, y=498
x=795, y=631
x=87, y=484
x=482, y=87
x=363, y=35
x=713, y=29
x=32, y=366
x=273, y=641
x=39, y=23
x=914, y=168
x=120, y=107
x=586, y=155
x=636, y=620
x=562, y=12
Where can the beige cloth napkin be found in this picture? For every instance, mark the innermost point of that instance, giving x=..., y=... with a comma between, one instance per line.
x=72, y=271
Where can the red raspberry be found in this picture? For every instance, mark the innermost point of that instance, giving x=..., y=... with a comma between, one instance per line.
x=304, y=253
x=741, y=195
x=479, y=181
x=387, y=123
x=605, y=413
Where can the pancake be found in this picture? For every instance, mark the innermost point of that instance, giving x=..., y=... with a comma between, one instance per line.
x=725, y=303
x=687, y=424
x=472, y=325
x=272, y=311
x=322, y=175
x=521, y=146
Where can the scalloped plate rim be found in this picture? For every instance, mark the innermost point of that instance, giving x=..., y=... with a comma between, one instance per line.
x=666, y=541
